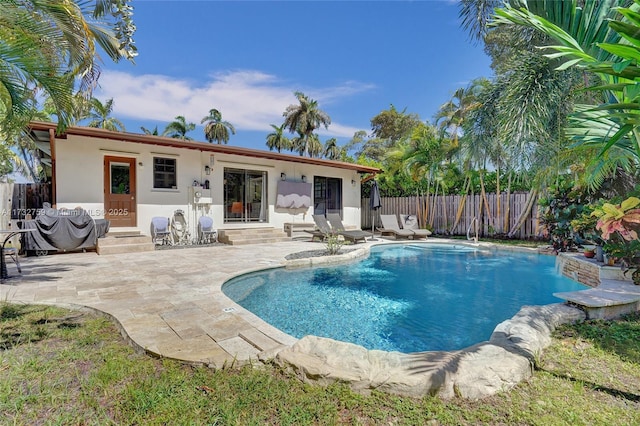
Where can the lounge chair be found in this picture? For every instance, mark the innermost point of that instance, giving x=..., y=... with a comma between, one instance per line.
x=390, y=226
x=323, y=228
x=206, y=233
x=410, y=222
x=160, y=233
x=350, y=235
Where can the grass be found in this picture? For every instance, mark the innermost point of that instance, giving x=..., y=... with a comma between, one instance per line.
x=501, y=241
x=67, y=367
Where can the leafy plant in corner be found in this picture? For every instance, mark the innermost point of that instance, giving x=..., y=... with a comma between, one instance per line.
x=619, y=224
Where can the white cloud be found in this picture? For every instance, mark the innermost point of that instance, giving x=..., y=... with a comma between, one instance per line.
x=250, y=100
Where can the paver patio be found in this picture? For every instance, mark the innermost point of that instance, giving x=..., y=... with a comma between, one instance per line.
x=168, y=302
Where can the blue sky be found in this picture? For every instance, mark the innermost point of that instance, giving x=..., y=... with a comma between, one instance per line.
x=246, y=59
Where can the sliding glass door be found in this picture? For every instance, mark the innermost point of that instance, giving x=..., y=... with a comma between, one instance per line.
x=245, y=195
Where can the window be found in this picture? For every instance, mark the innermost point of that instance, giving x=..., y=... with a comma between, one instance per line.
x=327, y=195
x=164, y=173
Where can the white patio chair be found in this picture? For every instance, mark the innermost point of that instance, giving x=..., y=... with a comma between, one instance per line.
x=206, y=233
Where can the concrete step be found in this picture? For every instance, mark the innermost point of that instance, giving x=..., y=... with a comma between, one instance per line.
x=115, y=241
x=251, y=236
x=126, y=248
x=124, y=242
x=255, y=231
x=257, y=241
x=123, y=232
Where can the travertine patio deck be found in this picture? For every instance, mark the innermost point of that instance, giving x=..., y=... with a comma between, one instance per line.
x=168, y=302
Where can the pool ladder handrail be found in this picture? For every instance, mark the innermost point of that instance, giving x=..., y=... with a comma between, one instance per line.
x=473, y=221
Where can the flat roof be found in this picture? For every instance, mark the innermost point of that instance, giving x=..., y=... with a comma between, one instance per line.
x=40, y=130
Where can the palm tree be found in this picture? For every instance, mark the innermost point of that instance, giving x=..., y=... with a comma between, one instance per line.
x=304, y=119
x=314, y=146
x=47, y=45
x=452, y=114
x=277, y=140
x=421, y=156
x=179, y=128
x=331, y=149
x=99, y=116
x=81, y=109
x=538, y=92
x=216, y=129
x=153, y=132
x=476, y=15
x=592, y=39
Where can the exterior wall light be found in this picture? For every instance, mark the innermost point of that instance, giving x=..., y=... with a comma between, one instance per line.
x=283, y=176
x=353, y=182
x=207, y=170
x=304, y=178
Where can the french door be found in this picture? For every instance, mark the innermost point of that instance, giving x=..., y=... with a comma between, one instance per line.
x=245, y=195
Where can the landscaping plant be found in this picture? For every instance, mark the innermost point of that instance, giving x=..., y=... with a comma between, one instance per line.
x=333, y=242
x=563, y=205
x=619, y=225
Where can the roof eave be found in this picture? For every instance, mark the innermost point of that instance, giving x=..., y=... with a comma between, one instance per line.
x=201, y=146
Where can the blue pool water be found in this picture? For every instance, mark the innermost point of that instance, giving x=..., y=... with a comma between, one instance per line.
x=406, y=298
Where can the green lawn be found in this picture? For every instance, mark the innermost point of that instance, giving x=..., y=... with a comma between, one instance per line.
x=66, y=367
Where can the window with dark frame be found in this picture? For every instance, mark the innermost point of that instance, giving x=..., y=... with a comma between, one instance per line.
x=327, y=195
x=164, y=173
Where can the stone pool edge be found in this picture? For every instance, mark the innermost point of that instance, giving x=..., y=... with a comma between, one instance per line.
x=478, y=371
x=475, y=372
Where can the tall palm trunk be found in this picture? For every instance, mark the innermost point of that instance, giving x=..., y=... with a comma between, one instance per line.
x=533, y=195
x=432, y=215
x=507, y=211
x=498, y=224
x=483, y=198
x=445, y=214
x=425, y=205
x=461, y=205
x=28, y=164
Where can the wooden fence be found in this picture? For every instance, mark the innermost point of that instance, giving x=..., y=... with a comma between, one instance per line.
x=20, y=200
x=443, y=209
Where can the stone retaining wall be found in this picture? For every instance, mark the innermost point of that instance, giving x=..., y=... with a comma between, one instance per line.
x=588, y=271
x=582, y=270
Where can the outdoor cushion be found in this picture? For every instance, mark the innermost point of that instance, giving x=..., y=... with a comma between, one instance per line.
x=410, y=221
x=390, y=226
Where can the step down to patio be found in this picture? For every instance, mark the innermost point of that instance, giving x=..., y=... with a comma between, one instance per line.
x=611, y=299
x=236, y=237
x=117, y=242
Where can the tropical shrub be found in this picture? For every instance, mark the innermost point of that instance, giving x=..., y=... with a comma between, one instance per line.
x=560, y=207
x=619, y=225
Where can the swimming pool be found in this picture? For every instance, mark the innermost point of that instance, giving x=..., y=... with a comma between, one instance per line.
x=407, y=298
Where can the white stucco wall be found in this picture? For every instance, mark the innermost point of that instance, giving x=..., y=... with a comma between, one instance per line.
x=80, y=175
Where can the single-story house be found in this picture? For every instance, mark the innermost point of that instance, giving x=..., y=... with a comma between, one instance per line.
x=130, y=178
